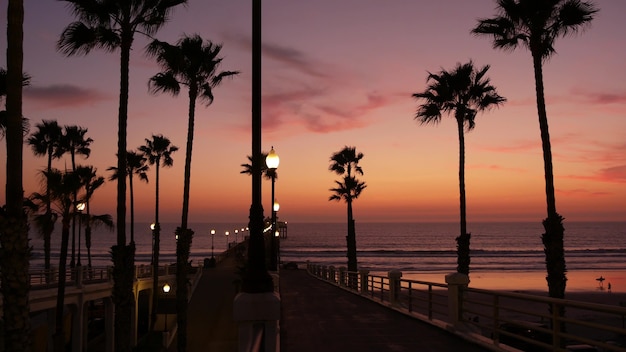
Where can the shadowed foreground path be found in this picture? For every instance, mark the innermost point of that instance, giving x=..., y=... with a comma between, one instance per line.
x=210, y=324
x=317, y=316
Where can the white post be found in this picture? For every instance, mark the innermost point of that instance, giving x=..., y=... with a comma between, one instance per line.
x=364, y=280
x=342, y=276
x=251, y=309
x=394, y=285
x=456, y=282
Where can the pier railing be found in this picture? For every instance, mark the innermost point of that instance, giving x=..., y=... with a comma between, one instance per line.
x=43, y=279
x=495, y=319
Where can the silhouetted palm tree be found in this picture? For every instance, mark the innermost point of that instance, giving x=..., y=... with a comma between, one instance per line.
x=463, y=92
x=193, y=64
x=111, y=25
x=158, y=151
x=14, y=263
x=267, y=173
x=135, y=165
x=62, y=187
x=46, y=141
x=536, y=25
x=74, y=142
x=90, y=181
x=346, y=163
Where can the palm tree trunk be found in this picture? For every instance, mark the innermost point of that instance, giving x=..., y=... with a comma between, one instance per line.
x=156, y=244
x=185, y=235
x=351, y=248
x=554, y=232
x=74, y=198
x=123, y=255
x=15, y=253
x=463, y=241
x=182, y=285
x=59, y=336
x=48, y=228
x=88, y=244
x=132, y=208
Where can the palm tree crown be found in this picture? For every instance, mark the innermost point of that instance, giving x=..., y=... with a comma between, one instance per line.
x=346, y=161
x=535, y=24
x=191, y=63
x=464, y=91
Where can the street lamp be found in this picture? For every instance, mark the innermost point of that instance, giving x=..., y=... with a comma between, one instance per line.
x=227, y=245
x=80, y=207
x=212, y=235
x=166, y=289
x=272, y=160
x=236, y=231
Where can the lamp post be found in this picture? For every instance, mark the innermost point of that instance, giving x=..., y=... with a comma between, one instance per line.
x=166, y=289
x=80, y=207
x=236, y=231
x=276, y=233
x=212, y=235
x=227, y=244
x=272, y=160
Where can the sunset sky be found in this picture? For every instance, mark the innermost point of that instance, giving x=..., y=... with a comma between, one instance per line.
x=341, y=72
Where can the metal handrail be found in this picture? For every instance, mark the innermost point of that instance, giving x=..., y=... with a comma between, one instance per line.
x=520, y=320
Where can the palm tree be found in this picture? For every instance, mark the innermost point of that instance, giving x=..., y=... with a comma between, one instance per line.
x=46, y=141
x=109, y=25
x=465, y=92
x=135, y=165
x=267, y=172
x=14, y=261
x=536, y=25
x=73, y=142
x=346, y=163
x=194, y=64
x=158, y=151
x=90, y=181
x=62, y=185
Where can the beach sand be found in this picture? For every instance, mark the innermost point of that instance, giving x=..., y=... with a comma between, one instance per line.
x=577, y=281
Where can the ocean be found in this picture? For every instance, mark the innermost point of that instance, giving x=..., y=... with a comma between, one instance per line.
x=409, y=247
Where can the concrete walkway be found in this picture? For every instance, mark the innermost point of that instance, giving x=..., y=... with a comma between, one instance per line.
x=317, y=316
x=210, y=322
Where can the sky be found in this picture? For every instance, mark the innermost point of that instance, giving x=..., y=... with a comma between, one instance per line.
x=342, y=73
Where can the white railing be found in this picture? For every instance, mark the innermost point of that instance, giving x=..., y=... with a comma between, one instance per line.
x=496, y=319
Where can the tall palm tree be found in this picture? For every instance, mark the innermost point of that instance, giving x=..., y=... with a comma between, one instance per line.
x=90, y=181
x=46, y=141
x=194, y=64
x=464, y=92
x=74, y=142
x=346, y=164
x=158, y=151
x=135, y=165
x=14, y=261
x=536, y=25
x=62, y=187
x=111, y=25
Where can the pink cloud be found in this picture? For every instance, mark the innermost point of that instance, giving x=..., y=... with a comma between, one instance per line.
x=494, y=167
x=601, y=98
x=63, y=95
x=583, y=192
